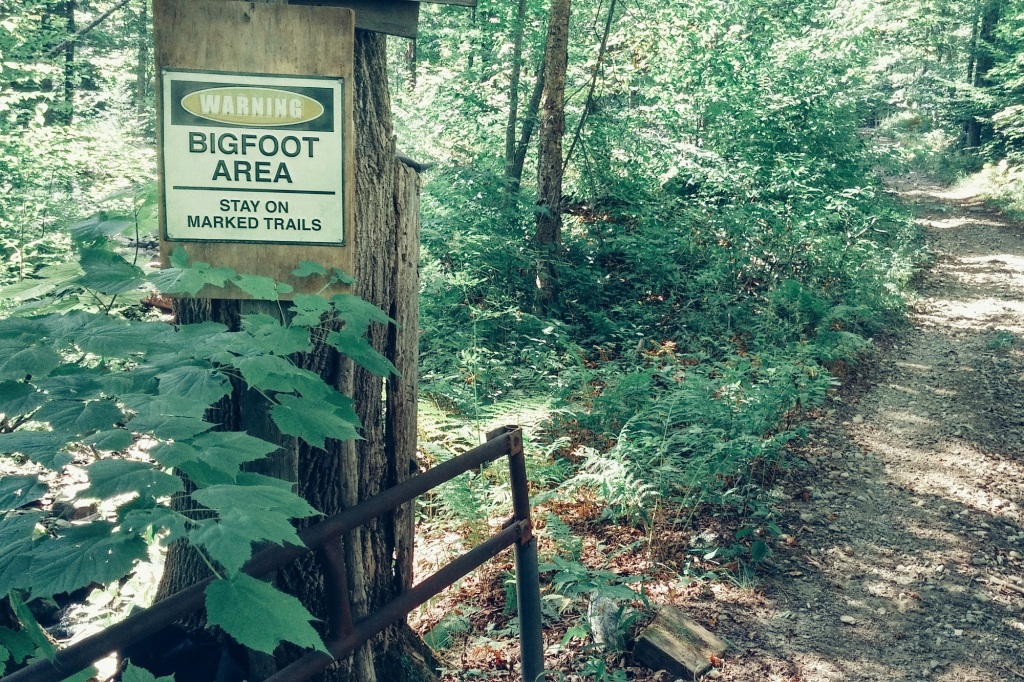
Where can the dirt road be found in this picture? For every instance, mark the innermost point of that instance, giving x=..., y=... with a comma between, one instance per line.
x=908, y=520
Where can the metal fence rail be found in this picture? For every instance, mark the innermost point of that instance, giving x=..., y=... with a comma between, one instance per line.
x=344, y=635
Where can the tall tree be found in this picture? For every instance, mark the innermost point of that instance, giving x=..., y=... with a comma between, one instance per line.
x=549, y=160
x=982, y=59
x=513, y=89
x=69, y=63
x=142, y=70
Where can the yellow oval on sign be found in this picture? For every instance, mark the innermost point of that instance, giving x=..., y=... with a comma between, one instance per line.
x=247, y=106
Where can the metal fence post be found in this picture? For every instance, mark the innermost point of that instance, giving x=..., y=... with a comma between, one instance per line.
x=531, y=641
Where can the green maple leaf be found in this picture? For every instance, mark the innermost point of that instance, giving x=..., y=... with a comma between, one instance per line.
x=358, y=313
x=32, y=361
x=111, y=477
x=258, y=616
x=108, y=273
x=41, y=447
x=156, y=517
x=110, y=441
x=191, y=278
x=222, y=451
x=18, y=643
x=227, y=450
x=17, y=533
x=18, y=398
x=272, y=372
x=79, y=383
x=259, y=287
x=76, y=417
x=42, y=282
x=169, y=428
x=361, y=352
x=112, y=337
x=18, y=491
x=246, y=514
x=309, y=309
x=197, y=385
x=82, y=555
x=254, y=500
x=308, y=268
x=313, y=421
x=228, y=539
x=274, y=337
x=24, y=331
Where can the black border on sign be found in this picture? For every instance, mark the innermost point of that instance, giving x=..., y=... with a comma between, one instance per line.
x=163, y=171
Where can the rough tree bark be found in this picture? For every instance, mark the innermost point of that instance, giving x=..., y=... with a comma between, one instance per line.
x=549, y=161
x=379, y=556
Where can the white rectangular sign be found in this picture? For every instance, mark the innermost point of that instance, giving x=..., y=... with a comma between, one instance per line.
x=253, y=158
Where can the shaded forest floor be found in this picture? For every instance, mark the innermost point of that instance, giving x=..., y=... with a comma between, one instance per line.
x=907, y=520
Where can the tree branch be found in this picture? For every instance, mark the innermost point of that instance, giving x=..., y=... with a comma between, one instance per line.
x=593, y=85
x=85, y=29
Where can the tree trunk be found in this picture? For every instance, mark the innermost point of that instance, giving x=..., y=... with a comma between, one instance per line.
x=513, y=90
x=142, y=76
x=69, y=64
x=549, y=162
x=378, y=556
x=976, y=131
x=529, y=123
x=410, y=64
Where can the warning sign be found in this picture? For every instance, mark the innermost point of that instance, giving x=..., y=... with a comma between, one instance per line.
x=250, y=158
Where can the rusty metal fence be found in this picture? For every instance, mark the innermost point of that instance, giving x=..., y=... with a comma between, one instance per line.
x=344, y=634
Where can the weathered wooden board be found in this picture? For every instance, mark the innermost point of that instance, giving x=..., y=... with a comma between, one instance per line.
x=257, y=38
x=677, y=644
x=394, y=17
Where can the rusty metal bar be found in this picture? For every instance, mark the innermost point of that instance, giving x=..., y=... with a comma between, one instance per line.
x=365, y=628
x=531, y=640
x=151, y=620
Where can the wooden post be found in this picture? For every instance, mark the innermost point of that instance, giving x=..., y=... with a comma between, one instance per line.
x=382, y=254
x=249, y=38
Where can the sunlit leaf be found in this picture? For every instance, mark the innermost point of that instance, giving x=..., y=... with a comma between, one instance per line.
x=82, y=555
x=18, y=491
x=111, y=477
x=41, y=447
x=76, y=417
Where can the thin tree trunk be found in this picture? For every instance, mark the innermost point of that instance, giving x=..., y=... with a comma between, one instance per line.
x=69, y=64
x=589, y=106
x=142, y=60
x=529, y=123
x=513, y=90
x=410, y=63
x=978, y=132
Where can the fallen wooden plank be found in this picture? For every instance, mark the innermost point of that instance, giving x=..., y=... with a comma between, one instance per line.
x=677, y=644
